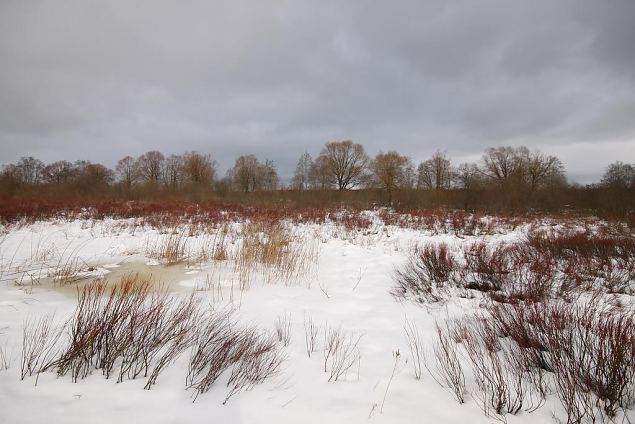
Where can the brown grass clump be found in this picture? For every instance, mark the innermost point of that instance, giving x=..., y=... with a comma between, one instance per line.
x=170, y=248
x=270, y=251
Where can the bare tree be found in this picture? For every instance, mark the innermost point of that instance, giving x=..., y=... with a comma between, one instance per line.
x=504, y=164
x=410, y=176
x=91, y=177
x=435, y=173
x=346, y=163
x=518, y=167
x=150, y=166
x=542, y=170
x=266, y=176
x=619, y=174
x=389, y=171
x=467, y=176
x=172, y=171
x=319, y=177
x=27, y=170
x=199, y=169
x=58, y=172
x=127, y=171
x=244, y=173
x=302, y=173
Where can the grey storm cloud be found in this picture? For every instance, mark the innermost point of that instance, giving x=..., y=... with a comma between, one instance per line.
x=99, y=80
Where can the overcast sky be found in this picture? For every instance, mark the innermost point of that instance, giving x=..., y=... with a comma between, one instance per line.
x=99, y=80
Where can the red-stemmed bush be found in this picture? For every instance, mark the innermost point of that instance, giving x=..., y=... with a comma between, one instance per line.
x=428, y=270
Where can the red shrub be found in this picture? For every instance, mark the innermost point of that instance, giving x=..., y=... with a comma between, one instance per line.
x=428, y=269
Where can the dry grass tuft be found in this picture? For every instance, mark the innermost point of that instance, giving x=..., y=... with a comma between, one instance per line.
x=269, y=250
x=170, y=248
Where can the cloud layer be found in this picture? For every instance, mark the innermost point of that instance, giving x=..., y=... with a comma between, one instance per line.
x=100, y=80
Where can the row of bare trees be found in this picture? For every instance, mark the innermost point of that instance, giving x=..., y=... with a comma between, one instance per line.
x=509, y=178
x=173, y=171
x=345, y=165
x=151, y=169
x=619, y=175
x=196, y=169
x=81, y=175
x=249, y=174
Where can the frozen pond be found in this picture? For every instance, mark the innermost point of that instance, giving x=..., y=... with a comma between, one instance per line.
x=174, y=277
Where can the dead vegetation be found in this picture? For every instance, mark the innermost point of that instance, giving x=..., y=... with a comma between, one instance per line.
x=537, y=338
x=415, y=344
x=5, y=358
x=269, y=251
x=518, y=354
x=131, y=331
x=448, y=365
x=256, y=251
x=341, y=352
x=283, y=329
x=425, y=274
x=588, y=349
x=251, y=356
x=558, y=321
x=170, y=248
x=40, y=340
x=311, y=331
x=545, y=264
x=70, y=271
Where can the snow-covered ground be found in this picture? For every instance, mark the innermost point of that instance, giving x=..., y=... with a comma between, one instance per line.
x=349, y=286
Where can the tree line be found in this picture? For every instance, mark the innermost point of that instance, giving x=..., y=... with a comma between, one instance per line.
x=507, y=177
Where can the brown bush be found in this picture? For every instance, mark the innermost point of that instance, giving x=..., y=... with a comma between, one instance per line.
x=589, y=350
x=428, y=270
x=136, y=330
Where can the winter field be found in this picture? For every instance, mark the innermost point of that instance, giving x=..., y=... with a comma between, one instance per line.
x=346, y=317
